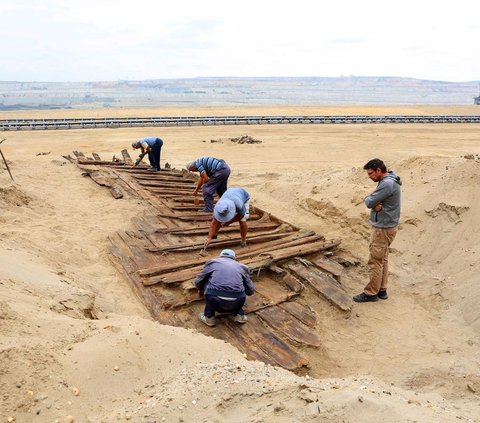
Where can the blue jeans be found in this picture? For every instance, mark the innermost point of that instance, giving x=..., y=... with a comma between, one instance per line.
x=154, y=154
x=215, y=304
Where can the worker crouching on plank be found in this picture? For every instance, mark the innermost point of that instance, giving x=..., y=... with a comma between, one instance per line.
x=151, y=146
x=225, y=283
x=232, y=207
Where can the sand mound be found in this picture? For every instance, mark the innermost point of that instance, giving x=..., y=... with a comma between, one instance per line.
x=14, y=196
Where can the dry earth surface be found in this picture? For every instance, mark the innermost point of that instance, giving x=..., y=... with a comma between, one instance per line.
x=76, y=345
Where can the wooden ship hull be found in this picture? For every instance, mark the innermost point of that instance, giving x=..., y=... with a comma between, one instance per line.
x=161, y=258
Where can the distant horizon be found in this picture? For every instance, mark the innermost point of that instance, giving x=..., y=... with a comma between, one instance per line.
x=224, y=91
x=241, y=77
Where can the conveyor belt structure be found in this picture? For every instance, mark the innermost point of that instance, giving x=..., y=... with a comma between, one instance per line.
x=126, y=122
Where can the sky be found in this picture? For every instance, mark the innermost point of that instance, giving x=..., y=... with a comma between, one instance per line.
x=109, y=40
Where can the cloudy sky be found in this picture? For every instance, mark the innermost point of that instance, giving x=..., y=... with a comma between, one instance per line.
x=87, y=40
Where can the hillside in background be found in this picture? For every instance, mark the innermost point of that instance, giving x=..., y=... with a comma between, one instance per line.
x=235, y=91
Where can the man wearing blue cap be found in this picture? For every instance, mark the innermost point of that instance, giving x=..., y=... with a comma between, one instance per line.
x=151, y=146
x=225, y=283
x=232, y=207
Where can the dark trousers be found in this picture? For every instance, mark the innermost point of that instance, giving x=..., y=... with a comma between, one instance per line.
x=216, y=184
x=154, y=154
x=215, y=304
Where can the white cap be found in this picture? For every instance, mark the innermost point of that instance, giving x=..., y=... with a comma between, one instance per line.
x=228, y=253
x=224, y=210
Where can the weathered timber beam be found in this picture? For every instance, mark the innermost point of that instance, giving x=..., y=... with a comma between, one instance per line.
x=157, y=176
x=200, y=216
x=293, y=329
x=126, y=157
x=84, y=161
x=203, y=229
x=163, y=184
x=301, y=312
x=168, y=190
x=323, y=283
x=142, y=170
x=278, y=350
x=265, y=248
x=254, y=263
x=263, y=237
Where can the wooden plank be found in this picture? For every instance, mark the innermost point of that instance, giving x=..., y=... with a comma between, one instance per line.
x=170, y=273
x=272, y=290
x=126, y=157
x=203, y=229
x=150, y=182
x=96, y=157
x=135, y=242
x=283, y=322
x=232, y=333
x=116, y=192
x=329, y=266
x=292, y=282
x=218, y=244
x=294, y=239
x=274, y=347
x=301, y=312
x=169, y=191
x=125, y=264
x=158, y=176
x=346, y=259
x=140, y=191
x=99, y=178
x=142, y=170
x=143, y=224
x=198, y=217
x=323, y=283
x=86, y=161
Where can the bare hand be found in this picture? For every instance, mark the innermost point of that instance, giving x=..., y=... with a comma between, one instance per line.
x=378, y=207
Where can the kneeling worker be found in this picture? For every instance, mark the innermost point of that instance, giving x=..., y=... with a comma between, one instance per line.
x=151, y=146
x=232, y=207
x=225, y=283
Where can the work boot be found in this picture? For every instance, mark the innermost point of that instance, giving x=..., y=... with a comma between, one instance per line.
x=382, y=294
x=240, y=318
x=209, y=321
x=365, y=298
x=152, y=169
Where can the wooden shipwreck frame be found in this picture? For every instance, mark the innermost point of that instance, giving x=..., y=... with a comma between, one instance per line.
x=292, y=268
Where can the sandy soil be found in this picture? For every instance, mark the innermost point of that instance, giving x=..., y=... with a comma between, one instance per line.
x=77, y=345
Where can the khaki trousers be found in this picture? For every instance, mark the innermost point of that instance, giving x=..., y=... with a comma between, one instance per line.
x=378, y=261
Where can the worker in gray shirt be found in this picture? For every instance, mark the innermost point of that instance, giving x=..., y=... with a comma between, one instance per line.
x=384, y=205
